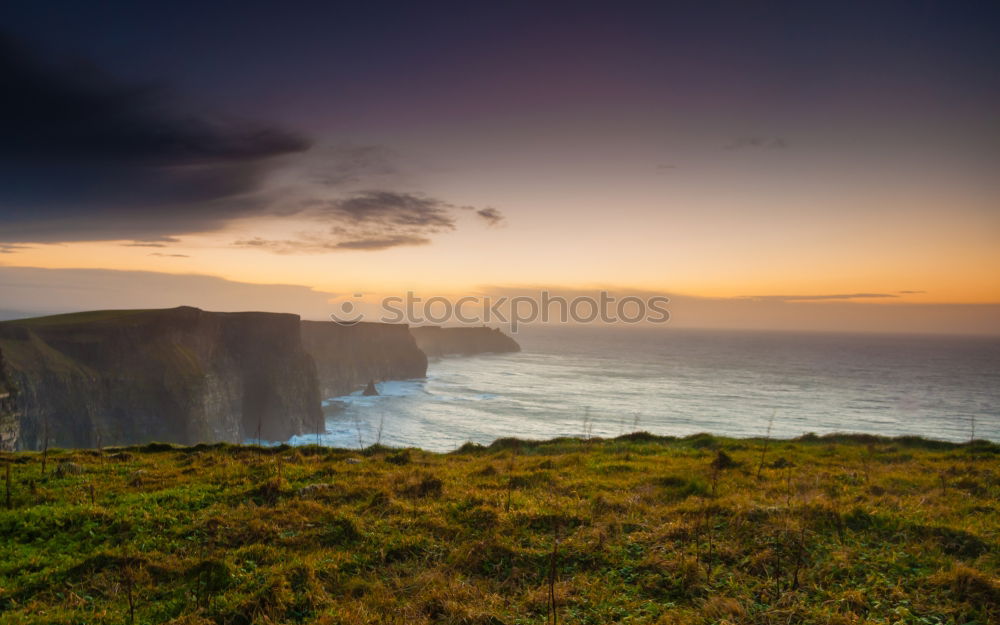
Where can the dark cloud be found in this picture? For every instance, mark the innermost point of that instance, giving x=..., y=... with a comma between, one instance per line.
x=371, y=220
x=169, y=255
x=392, y=209
x=492, y=216
x=84, y=157
x=314, y=244
x=816, y=298
x=910, y=292
x=758, y=143
x=382, y=243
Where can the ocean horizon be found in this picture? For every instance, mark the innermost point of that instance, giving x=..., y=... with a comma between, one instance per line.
x=600, y=381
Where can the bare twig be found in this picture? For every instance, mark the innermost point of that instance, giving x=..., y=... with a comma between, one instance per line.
x=10, y=502
x=788, y=488
x=799, y=556
x=708, y=517
x=357, y=427
x=552, y=615
x=767, y=439
x=510, y=479
x=128, y=582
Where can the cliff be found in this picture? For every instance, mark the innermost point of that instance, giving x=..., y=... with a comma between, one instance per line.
x=9, y=426
x=436, y=341
x=347, y=357
x=180, y=375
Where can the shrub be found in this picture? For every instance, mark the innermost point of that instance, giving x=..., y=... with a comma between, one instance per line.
x=425, y=486
x=970, y=585
x=399, y=458
x=677, y=488
x=723, y=461
x=339, y=531
x=271, y=491
x=701, y=441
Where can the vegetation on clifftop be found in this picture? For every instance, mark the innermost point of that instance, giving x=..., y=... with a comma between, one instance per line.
x=640, y=529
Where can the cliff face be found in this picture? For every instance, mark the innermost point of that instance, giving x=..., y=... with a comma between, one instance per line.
x=436, y=341
x=9, y=426
x=180, y=375
x=347, y=357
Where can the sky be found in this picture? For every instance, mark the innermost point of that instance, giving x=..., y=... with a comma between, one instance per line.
x=801, y=165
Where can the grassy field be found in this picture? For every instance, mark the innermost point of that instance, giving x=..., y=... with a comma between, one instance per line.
x=640, y=529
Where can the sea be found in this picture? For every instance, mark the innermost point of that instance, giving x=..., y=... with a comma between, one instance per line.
x=589, y=381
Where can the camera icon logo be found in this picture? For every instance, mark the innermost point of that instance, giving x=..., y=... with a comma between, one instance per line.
x=349, y=315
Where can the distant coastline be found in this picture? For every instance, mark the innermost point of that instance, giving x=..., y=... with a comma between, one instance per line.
x=186, y=376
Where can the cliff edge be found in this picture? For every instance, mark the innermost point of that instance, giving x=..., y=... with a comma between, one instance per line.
x=436, y=341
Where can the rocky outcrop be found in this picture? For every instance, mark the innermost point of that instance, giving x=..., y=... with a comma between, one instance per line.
x=180, y=375
x=436, y=341
x=349, y=356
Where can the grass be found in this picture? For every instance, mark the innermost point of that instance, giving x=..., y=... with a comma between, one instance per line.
x=639, y=529
x=72, y=319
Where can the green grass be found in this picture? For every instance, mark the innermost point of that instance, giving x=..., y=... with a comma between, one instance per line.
x=641, y=529
x=72, y=319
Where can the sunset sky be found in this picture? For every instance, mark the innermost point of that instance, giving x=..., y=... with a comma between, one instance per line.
x=806, y=158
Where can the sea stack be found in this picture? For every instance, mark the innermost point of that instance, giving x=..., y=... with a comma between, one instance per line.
x=349, y=356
